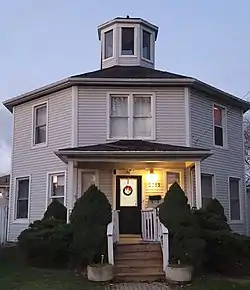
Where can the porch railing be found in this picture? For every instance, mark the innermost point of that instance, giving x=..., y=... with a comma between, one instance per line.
x=113, y=235
x=153, y=230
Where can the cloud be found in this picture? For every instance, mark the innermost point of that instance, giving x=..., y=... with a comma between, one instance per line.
x=5, y=140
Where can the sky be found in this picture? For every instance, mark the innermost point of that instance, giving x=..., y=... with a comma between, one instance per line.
x=47, y=40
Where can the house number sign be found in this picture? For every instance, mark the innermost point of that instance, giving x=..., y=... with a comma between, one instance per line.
x=154, y=184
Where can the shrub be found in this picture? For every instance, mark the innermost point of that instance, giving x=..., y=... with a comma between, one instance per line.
x=46, y=243
x=56, y=210
x=185, y=244
x=90, y=216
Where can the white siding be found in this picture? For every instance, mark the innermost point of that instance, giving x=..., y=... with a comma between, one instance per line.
x=38, y=161
x=92, y=119
x=224, y=162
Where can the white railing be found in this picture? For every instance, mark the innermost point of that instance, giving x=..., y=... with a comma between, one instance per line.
x=153, y=230
x=3, y=223
x=113, y=235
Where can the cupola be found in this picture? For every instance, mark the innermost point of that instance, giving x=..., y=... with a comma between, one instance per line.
x=127, y=42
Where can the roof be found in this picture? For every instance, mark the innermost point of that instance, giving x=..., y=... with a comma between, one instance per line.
x=133, y=145
x=5, y=180
x=130, y=72
x=128, y=76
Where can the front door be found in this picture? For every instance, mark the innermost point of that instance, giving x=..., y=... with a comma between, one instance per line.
x=128, y=201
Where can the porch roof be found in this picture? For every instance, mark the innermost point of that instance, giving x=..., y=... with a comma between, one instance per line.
x=132, y=149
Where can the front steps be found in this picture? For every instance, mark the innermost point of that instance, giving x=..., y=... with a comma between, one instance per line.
x=138, y=261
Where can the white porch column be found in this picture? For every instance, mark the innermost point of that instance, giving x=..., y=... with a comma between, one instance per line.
x=198, y=184
x=71, y=188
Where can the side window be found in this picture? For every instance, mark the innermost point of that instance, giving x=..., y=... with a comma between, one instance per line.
x=56, y=188
x=146, y=44
x=219, y=126
x=207, y=186
x=40, y=124
x=234, y=193
x=22, y=198
x=108, y=44
x=88, y=178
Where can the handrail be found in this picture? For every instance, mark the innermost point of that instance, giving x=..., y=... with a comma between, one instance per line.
x=113, y=235
x=165, y=246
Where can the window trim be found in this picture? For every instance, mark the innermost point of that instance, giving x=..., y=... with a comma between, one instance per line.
x=174, y=170
x=79, y=183
x=151, y=45
x=224, y=126
x=14, y=212
x=104, y=44
x=44, y=144
x=49, y=174
x=130, y=115
x=135, y=40
x=241, y=220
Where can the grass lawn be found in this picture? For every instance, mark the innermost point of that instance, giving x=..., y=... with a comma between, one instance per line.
x=15, y=275
x=218, y=284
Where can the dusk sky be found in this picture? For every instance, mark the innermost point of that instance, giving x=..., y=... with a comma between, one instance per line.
x=44, y=41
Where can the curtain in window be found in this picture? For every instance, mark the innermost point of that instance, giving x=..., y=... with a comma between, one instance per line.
x=142, y=124
x=119, y=116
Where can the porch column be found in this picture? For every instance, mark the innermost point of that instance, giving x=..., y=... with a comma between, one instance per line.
x=198, y=184
x=71, y=188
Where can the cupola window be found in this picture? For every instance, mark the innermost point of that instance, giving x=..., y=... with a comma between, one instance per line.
x=108, y=48
x=146, y=43
x=128, y=42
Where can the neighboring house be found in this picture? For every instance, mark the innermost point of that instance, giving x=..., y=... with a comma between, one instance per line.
x=4, y=189
x=132, y=130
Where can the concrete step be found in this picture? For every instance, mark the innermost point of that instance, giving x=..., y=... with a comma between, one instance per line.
x=134, y=277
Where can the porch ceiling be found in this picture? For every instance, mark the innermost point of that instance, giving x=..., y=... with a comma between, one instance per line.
x=132, y=150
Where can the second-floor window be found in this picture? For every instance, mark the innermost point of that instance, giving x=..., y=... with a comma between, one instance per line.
x=131, y=116
x=40, y=124
x=219, y=125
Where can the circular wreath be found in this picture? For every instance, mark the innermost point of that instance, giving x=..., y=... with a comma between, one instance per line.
x=127, y=190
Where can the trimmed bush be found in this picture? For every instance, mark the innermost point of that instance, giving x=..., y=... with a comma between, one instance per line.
x=56, y=210
x=89, y=219
x=46, y=243
x=186, y=246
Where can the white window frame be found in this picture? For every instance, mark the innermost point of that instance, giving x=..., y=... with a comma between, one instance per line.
x=80, y=171
x=14, y=218
x=34, y=107
x=104, y=43
x=135, y=39
x=174, y=170
x=48, y=187
x=240, y=221
x=151, y=45
x=213, y=183
x=224, y=126
x=131, y=115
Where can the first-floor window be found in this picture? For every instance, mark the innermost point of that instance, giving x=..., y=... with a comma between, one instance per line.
x=206, y=188
x=22, y=197
x=172, y=177
x=57, y=187
x=88, y=178
x=234, y=192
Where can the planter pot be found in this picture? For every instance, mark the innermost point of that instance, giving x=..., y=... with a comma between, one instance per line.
x=100, y=273
x=179, y=273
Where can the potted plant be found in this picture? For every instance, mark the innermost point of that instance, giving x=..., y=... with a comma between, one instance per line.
x=90, y=218
x=185, y=244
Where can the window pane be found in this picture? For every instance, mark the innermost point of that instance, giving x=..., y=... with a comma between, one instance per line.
x=41, y=116
x=218, y=136
x=40, y=135
x=146, y=44
x=108, y=44
x=142, y=127
x=119, y=127
x=22, y=209
x=172, y=177
x=234, y=199
x=23, y=189
x=119, y=106
x=207, y=186
x=127, y=41
x=88, y=178
x=142, y=106
x=57, y=185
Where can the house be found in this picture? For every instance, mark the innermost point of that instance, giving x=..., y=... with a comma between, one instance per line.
x=4, y=189
x=131, y=129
